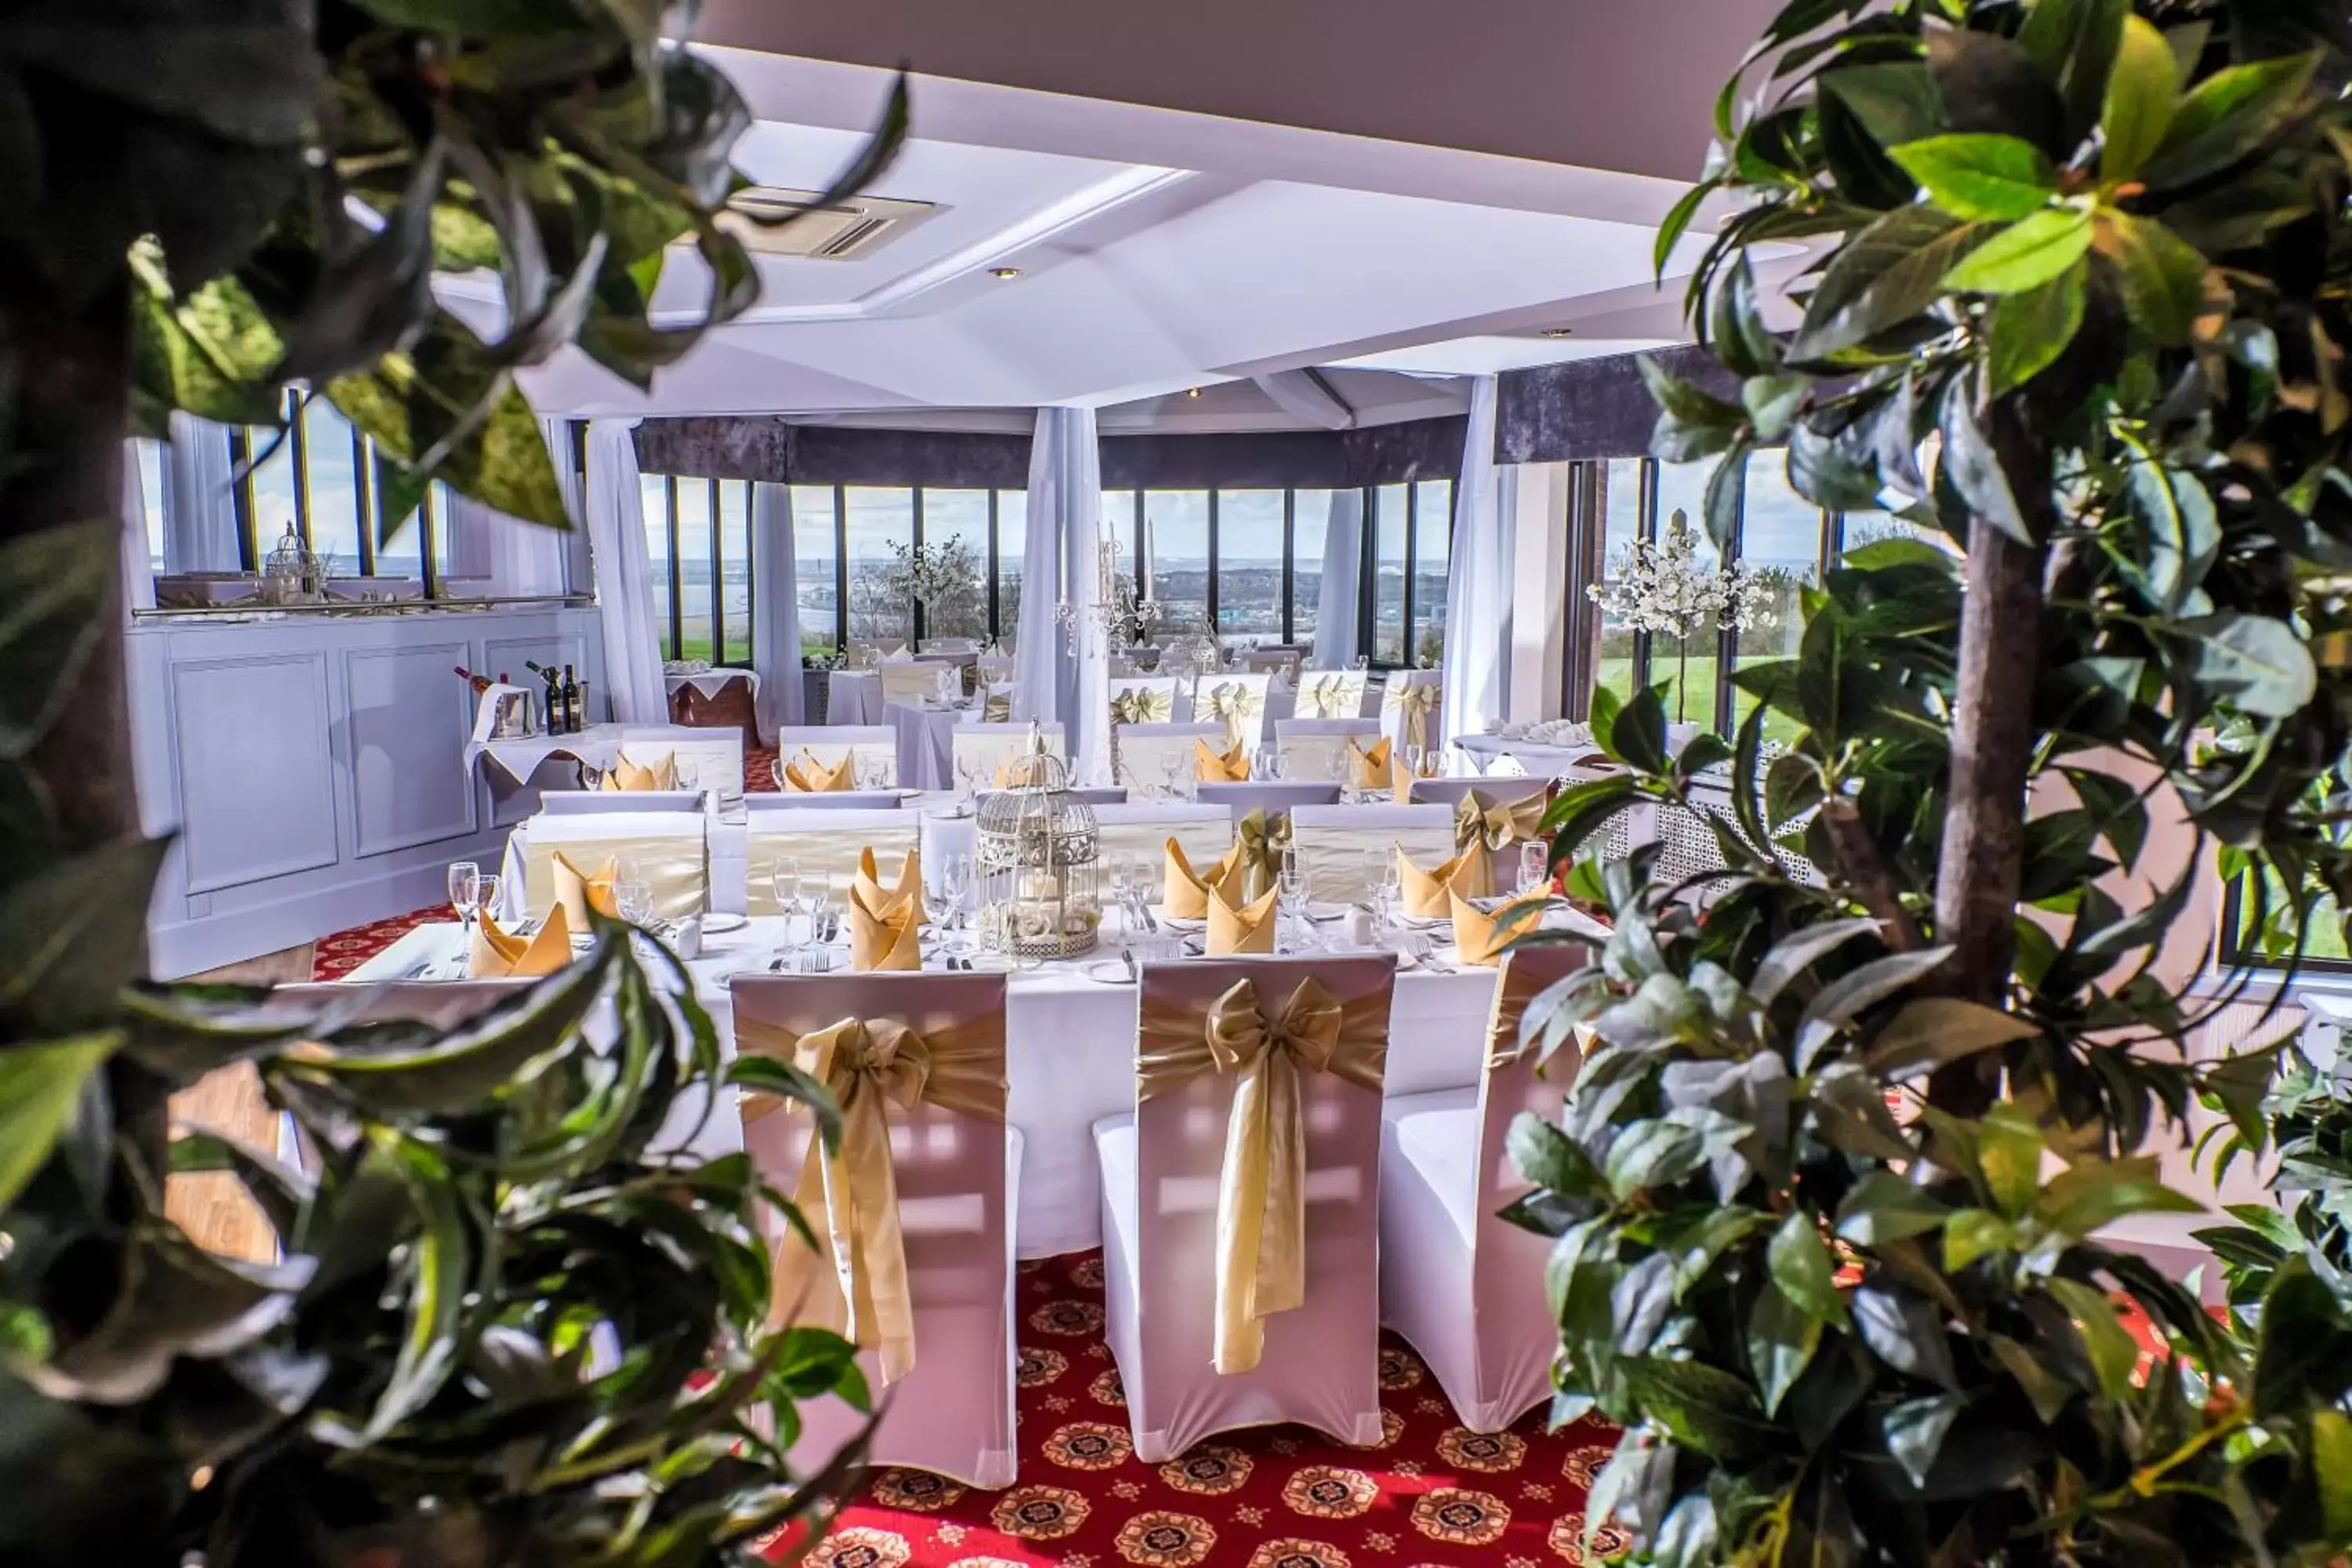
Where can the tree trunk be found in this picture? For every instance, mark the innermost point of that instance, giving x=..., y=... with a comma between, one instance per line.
x=1982, y=863
x=65, y=466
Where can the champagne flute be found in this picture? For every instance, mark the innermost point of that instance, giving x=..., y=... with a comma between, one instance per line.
x=1414, y=757
x=1172, y=763
x=784, y=877
x=486, y=899
x=1293, y=893
x=465, y=893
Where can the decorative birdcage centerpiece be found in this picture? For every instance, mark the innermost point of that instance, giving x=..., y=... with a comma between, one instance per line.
x=294, y=574
x=1038, y=854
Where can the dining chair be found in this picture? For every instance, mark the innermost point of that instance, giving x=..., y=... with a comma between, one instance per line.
x=1141, y=754
x=1236, y=701
x=1273, y=796
x=704, y=759
x=914, y=681
x=875, y=747
x=1332, y=694
x=1141, y=832
x=825, y=844
x=1465, y=1288
x=1409, y=710
x=915, y=1213
x=1240, y=1289
x=1147, y=699
x=979, y=748
x=665, y=847
x=1316, y=749
x=1345, y=847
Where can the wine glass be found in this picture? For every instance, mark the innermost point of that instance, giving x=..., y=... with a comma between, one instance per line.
x=784, y=877
x=1293, y=893
x=1172, y=765
x=1388, y=892
x=1415, y=756
x=636, y=901
x=487, y=897
x=1534, y=868
x=957, y=874
x=465, y=893
x=816, y=900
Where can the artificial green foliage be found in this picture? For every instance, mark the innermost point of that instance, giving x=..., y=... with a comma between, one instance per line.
x=1828, y=1210
x=512, y=1319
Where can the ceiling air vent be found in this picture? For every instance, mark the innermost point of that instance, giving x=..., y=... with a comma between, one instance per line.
x=847, y=230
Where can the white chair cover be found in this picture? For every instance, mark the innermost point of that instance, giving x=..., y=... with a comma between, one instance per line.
x=1141, y=832
x=1398, y=710
x=1160, y=1180
x=1331, y=694
x=1272, y=795
x=706, y=759
x=1143, y=752
x=874, y=746
x=666, y=849
x=914, y=682
x=1283, y=661
x=1316, y=749
x=825, y=844
x=980, y=749
x=957, y=1175
x=1465, y=1288
x=1235, y=702
x=1346, y=847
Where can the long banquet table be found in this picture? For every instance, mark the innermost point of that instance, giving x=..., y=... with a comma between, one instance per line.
x=1070, y=1042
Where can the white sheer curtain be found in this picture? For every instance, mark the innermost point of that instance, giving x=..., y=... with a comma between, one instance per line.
x=776, y=605
x=625, y=583
x=578, y=574
x=519, y=559
x=199, y=505
x=1476, y=682
x=1343, y=567
x=1064, y=527
x=138, y=570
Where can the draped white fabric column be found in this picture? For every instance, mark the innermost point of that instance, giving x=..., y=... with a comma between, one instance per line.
x=776, y=610
x=1059, y=561
x=199, y=506
x=1336, y=608
x=1478, y=587
x=625, y=584
x=138, y=568
x=578, y=572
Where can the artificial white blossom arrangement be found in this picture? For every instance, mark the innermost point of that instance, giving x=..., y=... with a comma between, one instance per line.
x=931, y=573
x=1660, y=587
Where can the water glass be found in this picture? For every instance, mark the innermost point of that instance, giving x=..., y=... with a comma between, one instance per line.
x=1388, y=892
x=815, y=899
x=1294, y=897
x=466, y=892
x=487, y=897
x=1535, y=869
x=1172, y=765
x=636, y=902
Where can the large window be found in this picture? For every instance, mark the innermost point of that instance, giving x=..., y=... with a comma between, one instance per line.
x=1412, y=530
x=1251, y=549
x=1310, y=525
x=1177, y=558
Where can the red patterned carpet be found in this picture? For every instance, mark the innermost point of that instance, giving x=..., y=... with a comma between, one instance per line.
x=1432, y=1495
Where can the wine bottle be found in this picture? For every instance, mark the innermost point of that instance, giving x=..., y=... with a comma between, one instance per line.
x=552, y=702
x=480, y=683
x=571, y=703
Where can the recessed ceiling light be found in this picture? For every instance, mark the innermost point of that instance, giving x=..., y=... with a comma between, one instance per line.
x=1557, y=332
x=1193, y=391
x=1005, y=274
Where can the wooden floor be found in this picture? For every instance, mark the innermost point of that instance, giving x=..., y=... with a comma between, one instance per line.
x=214, y=1209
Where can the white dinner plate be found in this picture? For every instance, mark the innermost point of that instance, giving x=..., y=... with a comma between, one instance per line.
x=719, y=925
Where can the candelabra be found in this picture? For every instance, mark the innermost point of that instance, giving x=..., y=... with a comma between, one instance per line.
x=1124, y=615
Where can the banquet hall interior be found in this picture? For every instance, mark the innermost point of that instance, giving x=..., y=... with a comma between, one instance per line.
x=1184, y=512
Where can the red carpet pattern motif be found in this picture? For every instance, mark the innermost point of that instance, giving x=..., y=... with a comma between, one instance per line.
x=1432, y=1495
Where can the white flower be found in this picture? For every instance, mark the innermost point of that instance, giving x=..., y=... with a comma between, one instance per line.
x=1659, y=587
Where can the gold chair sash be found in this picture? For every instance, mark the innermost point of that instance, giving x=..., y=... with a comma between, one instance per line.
x=1141, y=705
x=672, y=865
x=820, y=852
x=1326, y=697
x=1265, y=844
x=851, y=1200
x=1261, y=1186
x=1418, y=703
x=1495, y=827
x=1232, y=705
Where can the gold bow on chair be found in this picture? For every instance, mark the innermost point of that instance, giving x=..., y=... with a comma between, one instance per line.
x=851, y=1200
x=1418, y=703
x=1262, y=1189
x=1233, y=705
x=1494, y=828
x=1326, y=697
x=1141, y=705
x=1265, y=843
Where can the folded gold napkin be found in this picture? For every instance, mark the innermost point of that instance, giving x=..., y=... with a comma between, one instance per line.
x=1424, y=893
x=1480, y=938
x=1367, y=770
x=578, y=892
x=1220, y=767
x=496, y=955
x=625, y=775
x=909, y=885
x=883, y=937
x=1240, y=928
x=809, y=777
x=1187, y=895
x=1400, y=782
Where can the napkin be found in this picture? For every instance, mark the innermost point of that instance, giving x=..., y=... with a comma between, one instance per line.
x=810, y=776
x=1018, y=773
x=625, y=775
x=1220, y=767
x=1424, y=893
x=908, y=887
x=1245, y=930
x=899, y=654
x=578, y=892
x=497, y=955
x=1370, y=770
x=1401, y=781
x=1480, y=938
x=883, y=937
x=1187, y=895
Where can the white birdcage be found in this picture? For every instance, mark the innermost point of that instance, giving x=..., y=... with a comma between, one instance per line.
x=1037, y=856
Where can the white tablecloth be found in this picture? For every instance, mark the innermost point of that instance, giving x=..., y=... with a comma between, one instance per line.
x=712, y=683
x=853, y=696
x=925, y=744
x=1541, y=761
x=1070, y=1043
x=599, y=745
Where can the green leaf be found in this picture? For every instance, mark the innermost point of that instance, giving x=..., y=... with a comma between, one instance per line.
x=41, y=1088
x=1742, y=341
x=74, y=935
x=1799, y=950
x=2228, y=116
x=1932, y=1031
x=2114, y=1354
x=2162, y=275
x=1970, y=1233
x=1886, y=276
x=2029, y=331
x=2141, y=93
x=2008, y=1154
x=1781, y=1340
x=2084, y=1197
x=2026, y=255
x=1703, y=1407
x=1894, y=101
x=1973, y=469
x=1653, y=1155
x=1547, y=1157
x=1916, y=1430
x=1902, y=1329
x=1978, y=175
x=52, y=584
x=1801, y=1268
x=2074, y=41
x=1882, y=1208
x=1845, y=998
x=1692, y=423
x=2255, y=664
x=2331, y=1470
x=437, y=1281
x=2047, y=1392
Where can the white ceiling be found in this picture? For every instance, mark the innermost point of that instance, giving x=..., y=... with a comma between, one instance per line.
x=1158, y=251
